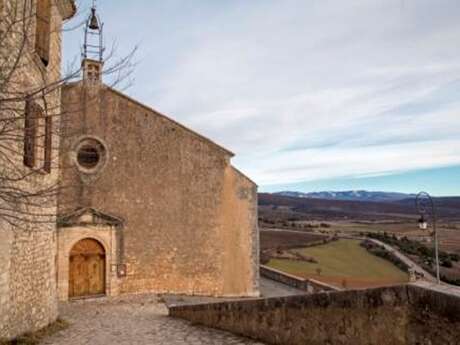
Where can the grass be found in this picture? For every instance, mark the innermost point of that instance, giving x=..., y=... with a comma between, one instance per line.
x=343, y=263
x=36, y=337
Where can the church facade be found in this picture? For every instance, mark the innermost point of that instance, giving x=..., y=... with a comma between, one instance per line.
x=146, y=204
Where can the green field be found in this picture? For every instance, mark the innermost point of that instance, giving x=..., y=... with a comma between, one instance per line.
x=343, y=263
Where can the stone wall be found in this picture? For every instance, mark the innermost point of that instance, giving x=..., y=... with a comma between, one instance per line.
x=391, y=316
x=28, y=298
x=309, y=285
x=33, y=302
x=189, y=218
x=5, y=264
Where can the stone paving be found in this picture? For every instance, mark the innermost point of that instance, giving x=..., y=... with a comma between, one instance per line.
x=139, y=319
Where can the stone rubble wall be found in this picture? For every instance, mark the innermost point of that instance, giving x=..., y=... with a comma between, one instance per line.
x=28, y=299
x=5, y=264
x=392, y=316
x=33, y=301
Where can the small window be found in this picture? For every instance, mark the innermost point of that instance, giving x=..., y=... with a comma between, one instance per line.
x=88, y=156
x=37, y=137
x=48, y=145
x=30, y=131
x=43, y=30
x=32, y=120
x=93, y=72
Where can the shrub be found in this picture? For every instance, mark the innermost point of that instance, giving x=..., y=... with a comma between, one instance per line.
x=383, y=253
x=450, y=281
x=446, y=263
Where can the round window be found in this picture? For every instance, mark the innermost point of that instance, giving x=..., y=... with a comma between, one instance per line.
x=90, y=153
x=88, y=156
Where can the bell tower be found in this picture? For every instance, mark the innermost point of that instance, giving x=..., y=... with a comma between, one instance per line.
x=93, y=48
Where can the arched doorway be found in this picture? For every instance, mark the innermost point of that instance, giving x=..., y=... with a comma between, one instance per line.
x=87, y=269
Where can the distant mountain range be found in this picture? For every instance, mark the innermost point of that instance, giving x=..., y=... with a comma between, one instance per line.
x=368, y=205
x=353, y=195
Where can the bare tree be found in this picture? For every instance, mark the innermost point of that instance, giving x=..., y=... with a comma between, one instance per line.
x=30, y=110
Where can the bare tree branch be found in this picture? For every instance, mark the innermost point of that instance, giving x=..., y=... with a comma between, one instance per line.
x=28, y=105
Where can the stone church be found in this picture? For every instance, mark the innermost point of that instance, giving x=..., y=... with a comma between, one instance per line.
x=147, y=205
x=144, y=205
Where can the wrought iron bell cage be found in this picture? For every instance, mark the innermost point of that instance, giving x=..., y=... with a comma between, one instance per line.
x=93, y=47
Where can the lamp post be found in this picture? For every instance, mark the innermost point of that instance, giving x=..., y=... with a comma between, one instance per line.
x=424, y=203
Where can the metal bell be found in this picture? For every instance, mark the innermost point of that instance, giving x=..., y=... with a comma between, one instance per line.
x=93, y=23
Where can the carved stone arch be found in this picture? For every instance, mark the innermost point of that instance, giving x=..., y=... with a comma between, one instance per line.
x=93, y=237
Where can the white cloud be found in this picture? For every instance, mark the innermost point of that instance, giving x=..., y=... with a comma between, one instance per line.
x=316, y=164
x=302, y=90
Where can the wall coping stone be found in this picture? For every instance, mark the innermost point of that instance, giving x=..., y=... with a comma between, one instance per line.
x=310, y=285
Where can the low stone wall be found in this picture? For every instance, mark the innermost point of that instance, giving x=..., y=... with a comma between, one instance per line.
x=434, y=317
x=391, y=316
x=309, y=285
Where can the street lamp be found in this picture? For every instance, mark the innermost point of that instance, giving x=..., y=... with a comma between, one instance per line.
x=424, y=203
x=422, y=223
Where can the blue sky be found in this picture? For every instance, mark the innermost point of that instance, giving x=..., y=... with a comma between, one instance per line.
x=438, y=181
x=309, y=94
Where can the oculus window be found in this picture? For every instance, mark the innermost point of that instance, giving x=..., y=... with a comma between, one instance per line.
x=90, y=154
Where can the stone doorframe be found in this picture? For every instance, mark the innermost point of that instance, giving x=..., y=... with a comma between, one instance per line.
x=89, y=223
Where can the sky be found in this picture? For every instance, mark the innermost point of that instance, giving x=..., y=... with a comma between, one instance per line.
x=309, y=94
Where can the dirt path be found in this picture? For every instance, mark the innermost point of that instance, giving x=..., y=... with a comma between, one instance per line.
x=409, y=262
x=132, y=320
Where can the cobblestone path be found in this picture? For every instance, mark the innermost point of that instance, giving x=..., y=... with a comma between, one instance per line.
x=134, y=320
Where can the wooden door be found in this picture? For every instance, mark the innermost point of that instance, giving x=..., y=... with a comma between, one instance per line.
x=87, y=269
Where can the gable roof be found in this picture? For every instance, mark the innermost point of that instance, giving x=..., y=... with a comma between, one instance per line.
x=151, y=110
x=200, y=136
